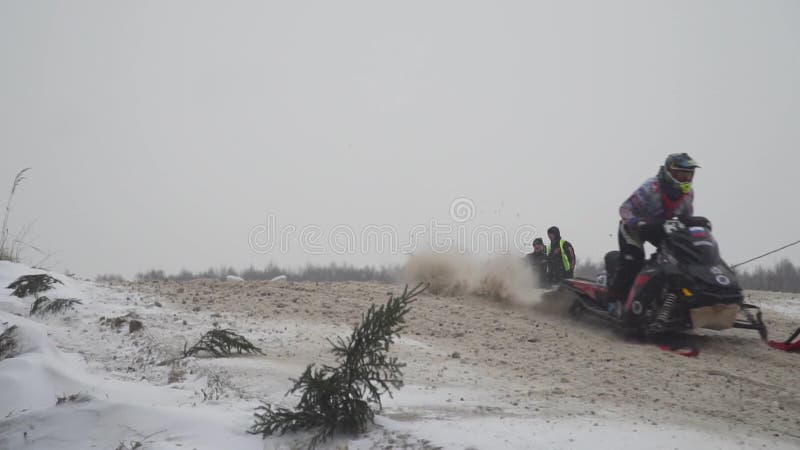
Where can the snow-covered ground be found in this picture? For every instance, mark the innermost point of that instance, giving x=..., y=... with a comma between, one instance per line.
x=785, y=305
x=463, y=390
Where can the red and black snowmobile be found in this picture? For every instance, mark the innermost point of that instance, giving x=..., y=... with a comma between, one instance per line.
x=684, y=285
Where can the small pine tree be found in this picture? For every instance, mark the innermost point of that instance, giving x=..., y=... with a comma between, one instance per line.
x=44, y=305
x=342, y=398
x=221, y=343
x=27, y=285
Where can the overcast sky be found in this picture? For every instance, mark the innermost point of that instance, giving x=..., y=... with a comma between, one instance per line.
x=160, y=133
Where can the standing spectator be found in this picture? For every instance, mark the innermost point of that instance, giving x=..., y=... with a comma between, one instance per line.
x=538, y=261
x=560, y=257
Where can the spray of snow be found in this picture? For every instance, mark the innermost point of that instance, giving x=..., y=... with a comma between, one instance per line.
x=503, y=278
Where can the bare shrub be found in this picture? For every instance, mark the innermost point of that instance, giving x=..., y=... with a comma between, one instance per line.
x=72, y=398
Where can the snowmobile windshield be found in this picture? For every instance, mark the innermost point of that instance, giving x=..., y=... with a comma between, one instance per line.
x=694, y=245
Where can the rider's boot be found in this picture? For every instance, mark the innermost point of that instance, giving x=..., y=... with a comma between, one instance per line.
x=613, y=300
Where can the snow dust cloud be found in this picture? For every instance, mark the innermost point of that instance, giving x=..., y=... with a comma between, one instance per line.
x=503, y=278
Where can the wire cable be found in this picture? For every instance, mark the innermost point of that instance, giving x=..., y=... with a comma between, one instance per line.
x=765, y=254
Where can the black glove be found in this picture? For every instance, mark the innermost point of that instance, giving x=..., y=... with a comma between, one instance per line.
x=644, y=222
x=647, y=228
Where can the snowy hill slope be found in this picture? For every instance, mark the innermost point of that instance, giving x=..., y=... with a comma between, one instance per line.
x=463, y=388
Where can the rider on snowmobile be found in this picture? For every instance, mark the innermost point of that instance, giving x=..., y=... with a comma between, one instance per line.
x=666, y=195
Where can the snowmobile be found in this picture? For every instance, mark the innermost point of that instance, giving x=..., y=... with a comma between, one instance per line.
x=684, y=285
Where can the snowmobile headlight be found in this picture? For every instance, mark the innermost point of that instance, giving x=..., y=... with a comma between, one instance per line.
x=687, y=292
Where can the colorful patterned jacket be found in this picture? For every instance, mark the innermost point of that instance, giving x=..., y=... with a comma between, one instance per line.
x=649, y=201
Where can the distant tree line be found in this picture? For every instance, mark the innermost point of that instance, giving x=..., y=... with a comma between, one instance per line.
x=310, y=272
x=782, y=277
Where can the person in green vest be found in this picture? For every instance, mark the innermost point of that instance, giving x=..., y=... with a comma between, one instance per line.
x=560, y=257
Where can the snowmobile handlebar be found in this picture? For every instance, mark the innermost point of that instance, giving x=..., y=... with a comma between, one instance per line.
x=652, y=223
x=652, y=228
x=696, y=221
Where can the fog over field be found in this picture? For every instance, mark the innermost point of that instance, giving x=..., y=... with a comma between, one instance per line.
x=272, y=225
x=162, y=135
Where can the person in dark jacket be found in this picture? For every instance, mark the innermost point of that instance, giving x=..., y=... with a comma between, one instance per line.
x=538, y=261
x=560, y=257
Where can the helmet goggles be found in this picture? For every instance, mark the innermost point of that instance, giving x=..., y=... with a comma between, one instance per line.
x=680, y=168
